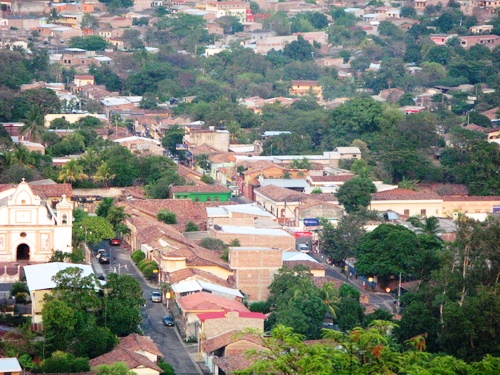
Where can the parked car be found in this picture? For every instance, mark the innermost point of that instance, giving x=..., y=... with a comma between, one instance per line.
x=104, y=258
x=168, y=321
x=156, y=297
x=115, y=242
x=100, y=252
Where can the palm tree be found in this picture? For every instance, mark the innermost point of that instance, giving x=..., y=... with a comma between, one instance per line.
x=22, y=155
x=104, y=174
x=330, y=296
x=72, y=172
x=34, y=124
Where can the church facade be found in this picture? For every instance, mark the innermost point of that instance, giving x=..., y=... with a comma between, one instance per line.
x=30, y=229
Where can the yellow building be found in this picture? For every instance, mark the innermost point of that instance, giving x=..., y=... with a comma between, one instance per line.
x=302, y=88
x=39, y=280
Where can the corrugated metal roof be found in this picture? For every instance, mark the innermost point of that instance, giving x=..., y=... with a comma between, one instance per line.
x=256, y=231
x=39, y=276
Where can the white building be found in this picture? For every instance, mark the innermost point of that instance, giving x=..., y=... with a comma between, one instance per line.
x=30, y=230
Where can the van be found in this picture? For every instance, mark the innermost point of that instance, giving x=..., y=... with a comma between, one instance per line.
x=303, y=247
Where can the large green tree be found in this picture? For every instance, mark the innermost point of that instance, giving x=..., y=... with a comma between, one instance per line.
x=393, y=249
x=355, y=194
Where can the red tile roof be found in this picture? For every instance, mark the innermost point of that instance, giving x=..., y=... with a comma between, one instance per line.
x=150, y=231
x=52, y=190
x=494, y=198
x=194, y=273
x=405, y=194
x=281, y=194
x=445, y=190
x=332, y=178
x=228, y=338
x=185, y=210
x=130, y=358
x=308, y=263
x=203, y=301
x=136, y=343
x=199, y=189
x=223, y=314
x=233, y=363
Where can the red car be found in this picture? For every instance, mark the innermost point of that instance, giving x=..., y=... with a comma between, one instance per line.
x=115, y=242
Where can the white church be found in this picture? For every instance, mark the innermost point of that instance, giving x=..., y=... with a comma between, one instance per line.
x=30, y=229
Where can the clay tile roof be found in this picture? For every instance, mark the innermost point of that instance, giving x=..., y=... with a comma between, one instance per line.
x=280, y=194
x=404, y=194
x=199, y=189
x=136, y=343
x=308, y=263
x=52, y=190
x=130, y=358
x=223, y=157
x=445, y=190
x=184, y=209
x=227, y=338
x=4, y=187
x=473, y=198
x=203, y=301
x=223, y=314
x=187, y=273
x=320, y=281
x=332, y=178
x=150, y=231
x=233, y=363
x=134, y=191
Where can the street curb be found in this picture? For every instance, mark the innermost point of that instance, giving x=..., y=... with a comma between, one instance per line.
x=176, y=329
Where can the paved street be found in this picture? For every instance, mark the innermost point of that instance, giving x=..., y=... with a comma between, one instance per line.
x=381, y=300
x=169, y=342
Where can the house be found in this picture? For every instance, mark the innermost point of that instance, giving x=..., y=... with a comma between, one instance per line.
x=203, y=302
x=30, y=229
x=201, y=193
x=218, y=139
x=255, y=266
x=280, y=202
x=39, y=279
x=137, y=363
x=490, y=41
x=83, y=79
x=141, y=345
x=141, y=145
x=10, y=366
x=408, y=202
x=170, y=249
x=238, y=214
x=252, y=236
x=184, y=288
x=302, y=88
x=229, y=346
x=481, y=29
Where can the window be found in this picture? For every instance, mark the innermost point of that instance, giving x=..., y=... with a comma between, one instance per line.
x=423, y=212
x=209, y=199
x=65, y=219
x=216, y=199
x=407, y=213
x=197, y=199
x=282, y=212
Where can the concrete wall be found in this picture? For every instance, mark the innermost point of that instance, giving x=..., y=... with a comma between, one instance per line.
x=254, y=270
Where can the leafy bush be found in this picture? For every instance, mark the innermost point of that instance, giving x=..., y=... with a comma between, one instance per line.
x=19, y=287
x=166, y=367
x=261, y=306
x=191, y=227
x=138, y=256
x=61, y=362
x=167, y=217
x=212, y=243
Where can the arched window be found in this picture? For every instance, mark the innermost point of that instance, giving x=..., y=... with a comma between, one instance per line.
x=65, y=219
